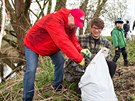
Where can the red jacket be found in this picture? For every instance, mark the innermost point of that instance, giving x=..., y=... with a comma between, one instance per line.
x=51, y=34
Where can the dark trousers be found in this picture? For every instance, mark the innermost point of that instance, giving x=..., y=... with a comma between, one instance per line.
x=125, y=34
x=117, y=55
x=112, y=67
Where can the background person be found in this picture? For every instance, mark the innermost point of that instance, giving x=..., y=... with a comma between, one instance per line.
x=133, y=25
x=133, y=31
x=119, y=42
x=126, y=28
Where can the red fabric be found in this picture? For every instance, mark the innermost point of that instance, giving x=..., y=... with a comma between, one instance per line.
x=78, y=15
x=51, y=34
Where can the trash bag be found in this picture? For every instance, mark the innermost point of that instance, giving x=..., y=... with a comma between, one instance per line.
x=96, y=83
x=129, y=36
x=73, y=71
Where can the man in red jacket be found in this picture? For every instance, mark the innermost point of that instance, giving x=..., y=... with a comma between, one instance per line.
x=48, y=37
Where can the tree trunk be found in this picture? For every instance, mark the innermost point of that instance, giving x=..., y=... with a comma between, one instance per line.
x=100, y=5
x=84, y=8
x=20, y=21
x=60, y=4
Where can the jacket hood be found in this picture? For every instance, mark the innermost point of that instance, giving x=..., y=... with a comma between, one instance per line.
x=64, y=12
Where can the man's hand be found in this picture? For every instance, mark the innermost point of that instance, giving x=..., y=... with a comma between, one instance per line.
x=82, y=63
x=86, y=52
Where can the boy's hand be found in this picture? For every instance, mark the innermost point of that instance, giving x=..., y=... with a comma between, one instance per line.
x=105, y=51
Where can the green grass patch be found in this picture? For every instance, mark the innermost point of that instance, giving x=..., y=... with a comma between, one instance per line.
x=12, y=89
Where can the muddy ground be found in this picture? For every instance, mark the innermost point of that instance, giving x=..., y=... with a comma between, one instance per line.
x=124, y=83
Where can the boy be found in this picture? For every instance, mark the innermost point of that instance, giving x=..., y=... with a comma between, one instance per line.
x=119, y=42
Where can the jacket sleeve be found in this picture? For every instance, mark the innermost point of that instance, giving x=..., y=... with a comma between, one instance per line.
x=107, y=43
x=114, y=39
x=61, y=39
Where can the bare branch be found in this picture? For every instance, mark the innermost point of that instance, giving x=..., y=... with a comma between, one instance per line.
x=27, y=6
x=42, y=9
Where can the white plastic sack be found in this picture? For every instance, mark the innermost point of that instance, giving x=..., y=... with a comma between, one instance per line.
x=7, y=71
x=129, y=36
x=96, y=83
x=133, y=34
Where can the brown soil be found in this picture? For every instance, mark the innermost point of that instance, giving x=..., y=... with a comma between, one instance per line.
x=124, y=83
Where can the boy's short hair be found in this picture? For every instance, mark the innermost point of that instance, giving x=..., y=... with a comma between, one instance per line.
x=97, y=22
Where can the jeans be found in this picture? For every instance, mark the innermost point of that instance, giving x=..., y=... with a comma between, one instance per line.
x=58, y=61
x=31, y=67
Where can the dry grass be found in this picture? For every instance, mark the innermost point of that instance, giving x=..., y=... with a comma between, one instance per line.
x=11, y=90
x=124, y=82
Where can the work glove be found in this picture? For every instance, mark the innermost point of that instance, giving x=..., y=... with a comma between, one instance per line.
x=86, y=52
x=82, y=63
